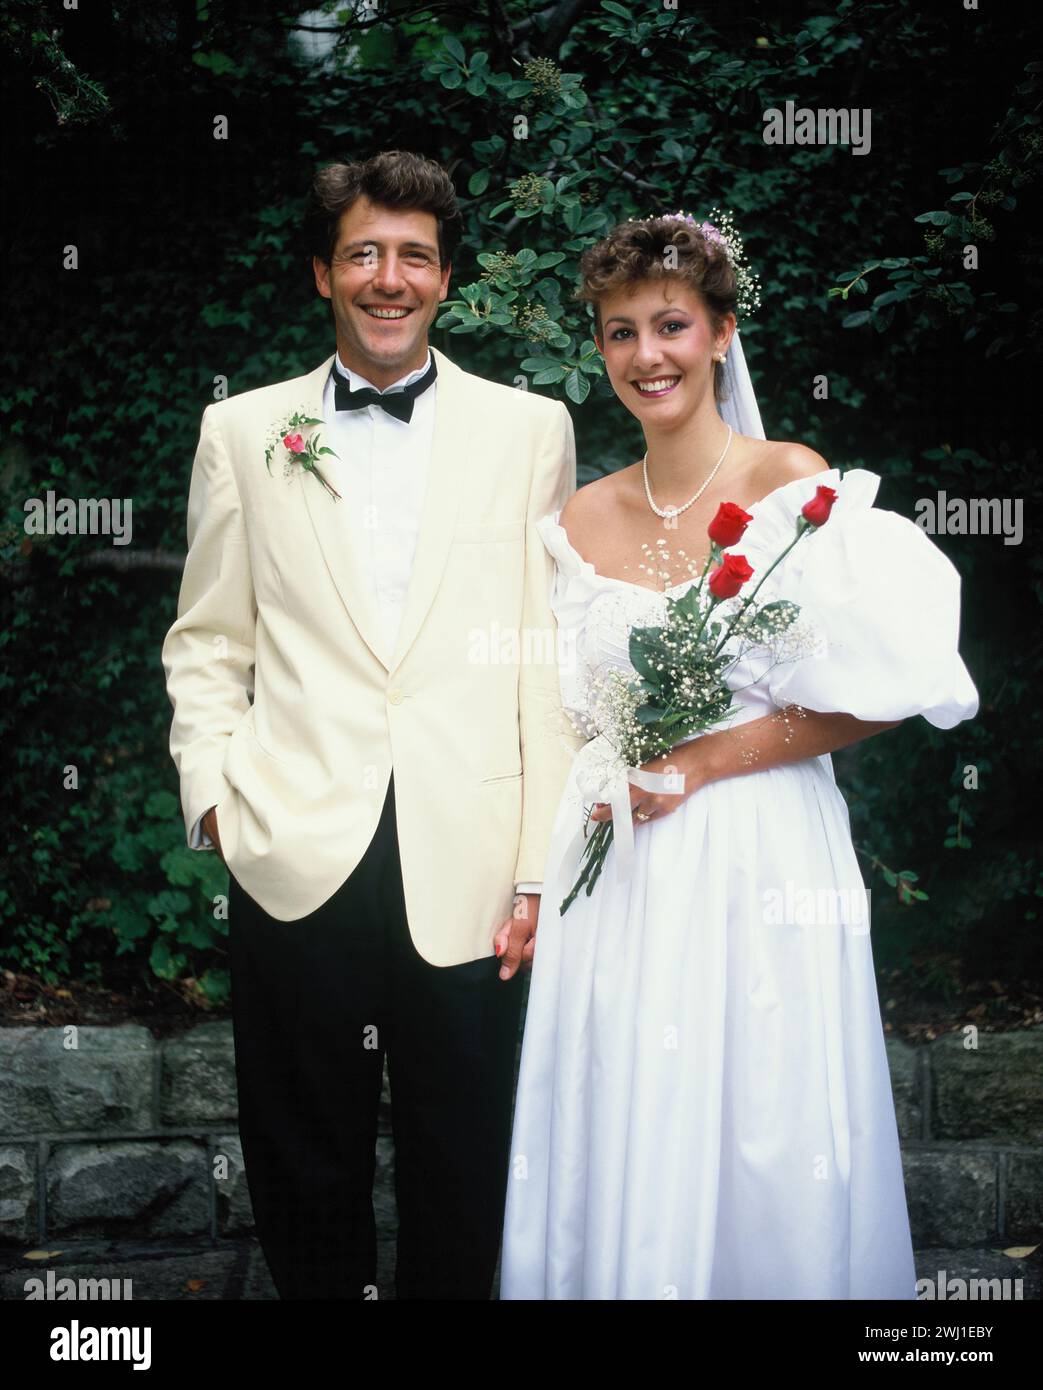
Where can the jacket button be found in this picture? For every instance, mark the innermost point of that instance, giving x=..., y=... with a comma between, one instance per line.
x=395, y=695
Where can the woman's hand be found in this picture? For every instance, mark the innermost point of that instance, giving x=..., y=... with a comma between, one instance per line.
x=684, y=759
x=786, y=736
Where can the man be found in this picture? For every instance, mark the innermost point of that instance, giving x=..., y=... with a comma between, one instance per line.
x=393, y=779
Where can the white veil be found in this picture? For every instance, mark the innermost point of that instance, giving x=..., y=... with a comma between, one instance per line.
x=740, y=408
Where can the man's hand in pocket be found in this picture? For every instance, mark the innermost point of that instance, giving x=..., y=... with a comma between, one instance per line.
x=210, y=826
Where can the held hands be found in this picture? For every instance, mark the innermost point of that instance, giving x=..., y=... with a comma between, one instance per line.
x=515, y=939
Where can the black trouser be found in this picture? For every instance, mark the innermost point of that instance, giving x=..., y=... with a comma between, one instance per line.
x=316, y=1003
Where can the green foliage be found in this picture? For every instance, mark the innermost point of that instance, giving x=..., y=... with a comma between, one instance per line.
x=556, y=122
x=964, y=226
x=75, y=98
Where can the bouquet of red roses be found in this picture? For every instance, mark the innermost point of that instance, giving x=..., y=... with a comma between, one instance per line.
x=681, y=687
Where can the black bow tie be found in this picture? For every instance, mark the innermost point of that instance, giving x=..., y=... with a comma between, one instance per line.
x=396, y=403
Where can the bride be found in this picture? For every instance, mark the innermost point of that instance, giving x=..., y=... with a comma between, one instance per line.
x=704, y=1108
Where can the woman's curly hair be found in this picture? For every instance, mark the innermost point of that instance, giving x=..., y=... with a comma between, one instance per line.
x=636, y=250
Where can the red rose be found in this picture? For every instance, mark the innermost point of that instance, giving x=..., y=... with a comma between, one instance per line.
x=729, y=576
x=818, y=509
x=294, y=442
x=728, y=525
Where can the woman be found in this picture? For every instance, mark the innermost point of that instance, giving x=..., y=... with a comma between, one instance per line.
x=704, y=1106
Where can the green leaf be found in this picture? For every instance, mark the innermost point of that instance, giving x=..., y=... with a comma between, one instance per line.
x=938, y=219
x=167, y=964
x=217, y=63
x=169, y=902
x=161, y=805
x=883, y=320
x=572, y=216
x=770, y=619
x=577, y=387
x=538, y=363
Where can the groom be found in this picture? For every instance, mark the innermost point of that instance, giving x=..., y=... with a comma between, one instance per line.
x=378, y=779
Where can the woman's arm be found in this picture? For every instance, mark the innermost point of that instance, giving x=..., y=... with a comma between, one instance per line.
x=787, y=736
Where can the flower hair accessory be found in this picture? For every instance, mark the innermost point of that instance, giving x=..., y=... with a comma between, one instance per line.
x=719, y=233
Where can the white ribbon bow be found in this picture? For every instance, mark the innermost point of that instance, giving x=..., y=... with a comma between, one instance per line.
x=601, y=777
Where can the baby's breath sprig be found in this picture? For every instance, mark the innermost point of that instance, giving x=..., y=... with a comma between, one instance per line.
x=719, y=233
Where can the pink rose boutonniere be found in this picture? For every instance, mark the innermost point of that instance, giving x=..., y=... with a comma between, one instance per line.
x=301, y=451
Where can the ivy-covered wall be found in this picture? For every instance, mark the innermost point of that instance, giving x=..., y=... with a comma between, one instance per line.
x=156, y=162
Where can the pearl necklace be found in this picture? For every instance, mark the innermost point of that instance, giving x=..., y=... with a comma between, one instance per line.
x=676, y=511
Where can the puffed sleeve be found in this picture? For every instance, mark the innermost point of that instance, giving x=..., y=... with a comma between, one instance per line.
x=882, y=597
x=573, y=586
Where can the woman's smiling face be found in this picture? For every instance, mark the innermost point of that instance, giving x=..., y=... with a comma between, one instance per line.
x=658, y=345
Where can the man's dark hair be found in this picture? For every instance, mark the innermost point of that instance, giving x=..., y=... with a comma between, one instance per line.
x=393, y=179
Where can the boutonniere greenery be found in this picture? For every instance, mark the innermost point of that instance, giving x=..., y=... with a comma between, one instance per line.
x=302, y=452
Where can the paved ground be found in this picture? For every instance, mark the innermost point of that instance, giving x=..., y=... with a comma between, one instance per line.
x=191, y=1270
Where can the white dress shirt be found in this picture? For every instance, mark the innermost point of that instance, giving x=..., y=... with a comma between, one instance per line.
x=383, y=470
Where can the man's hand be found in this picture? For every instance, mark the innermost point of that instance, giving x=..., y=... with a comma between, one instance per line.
x=210, y=826
x=515, y=939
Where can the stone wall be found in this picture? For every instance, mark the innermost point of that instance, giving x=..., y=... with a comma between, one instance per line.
x=111, y=1140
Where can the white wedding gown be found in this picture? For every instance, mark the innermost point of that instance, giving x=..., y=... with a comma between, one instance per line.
x=704, y=1108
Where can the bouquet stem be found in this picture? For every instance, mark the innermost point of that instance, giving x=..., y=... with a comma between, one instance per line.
x=594, y=853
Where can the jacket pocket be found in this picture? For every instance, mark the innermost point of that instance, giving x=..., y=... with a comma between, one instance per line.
x=245, y=730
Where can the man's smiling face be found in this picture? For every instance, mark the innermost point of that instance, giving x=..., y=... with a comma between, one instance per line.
x=385, y=285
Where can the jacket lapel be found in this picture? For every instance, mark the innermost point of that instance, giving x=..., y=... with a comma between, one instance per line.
x=333, y=535
x=449, y=450
x=437, y=522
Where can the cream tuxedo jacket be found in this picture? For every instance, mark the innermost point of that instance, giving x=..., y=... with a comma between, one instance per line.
x=290, y=722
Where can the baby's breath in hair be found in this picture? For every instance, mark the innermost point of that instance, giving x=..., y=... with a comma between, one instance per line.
x=718, y=231
x=707, y=258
